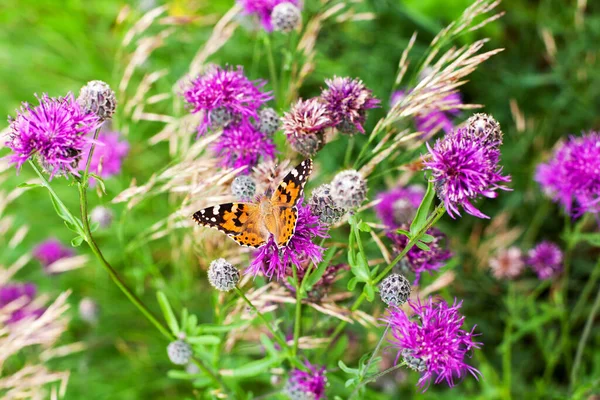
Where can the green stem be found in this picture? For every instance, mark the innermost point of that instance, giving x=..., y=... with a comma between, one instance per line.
x=506, y=356
x=298, y=317
x=366, y=370
x=382, y=373
x=582, y=342
x=585, y=293
x=272, y=69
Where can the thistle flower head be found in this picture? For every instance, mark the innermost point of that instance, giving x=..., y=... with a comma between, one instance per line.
x=268, y=121
x=399, y=206
x=272, y=261
x=242, y=145
x=394, y=290
x=50, y=251
x=348, y=189
x=103, y=216
x=304, y=126
x=322, y=205
x=222, y=275
x=98, y=98
x=23, y=293
x=243, y=187
x=486, y=128
x=508, y=263
x=435, y=338
x=226, y=91
x=286, y=17
x=55, y=131
x=545, y=259
x=179, y=352
x=463, y=169
x=108, y=155
x=572, y=176
x=263, y=10
x=419, y=260
x=303, y=385
x=348, y=101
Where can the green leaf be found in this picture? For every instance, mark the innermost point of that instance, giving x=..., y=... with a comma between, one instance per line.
x=269, y=345
x=70, y=226
x=369, y=292
x=403, y=232
x=591, y=238
x=347, y=369
x=364, y=227
x=168, y=312
x=76, y=241
x=204, y=340
x=94, y=226
x=422, y=246
x=423, y=212
x=253, y=368
x=352, y=283
x=184, y=320
x=208, y=328
x=427, y=238
x=26, y=185
x=100, y=181
x=314, y=277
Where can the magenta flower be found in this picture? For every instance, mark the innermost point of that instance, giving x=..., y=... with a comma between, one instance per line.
x=545, y=260
x=348, y=101
x=572, y=176
x=418, y=260
x=463, y=169
x=433, y=118
x=50, y=251
x=24, y=293
x=108, y=155
x=306, y=385
x=55, y=131
x=273, y=261
x=398, y=206
x=433, y=341
x=228, y=94
x=243, y=145
x=263, y=9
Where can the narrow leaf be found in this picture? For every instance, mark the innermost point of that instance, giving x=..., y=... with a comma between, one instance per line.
x=422, y=246
x=168, y=312
x=204, y=340
x=423, y=211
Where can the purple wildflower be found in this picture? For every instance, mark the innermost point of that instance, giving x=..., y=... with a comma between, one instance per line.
x=273, y=261
x=243, y=145
x=24, y=293
x=572, y=176
x=304, y=385
x=348, y=101
x=108, y=155
x=463, y=169
x=433, y=341
x=398, y=206
x=439, y=116
x=508, y=263
x=305, y=124
x=418, y=260
x=546, y=260
x=55, y=131
x=50, y=251
x=263, y=9
x=225, y=91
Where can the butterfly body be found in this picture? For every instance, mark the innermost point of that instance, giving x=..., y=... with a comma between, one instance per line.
x=253, y=224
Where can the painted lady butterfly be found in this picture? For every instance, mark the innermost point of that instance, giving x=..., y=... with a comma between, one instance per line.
x=251, y=224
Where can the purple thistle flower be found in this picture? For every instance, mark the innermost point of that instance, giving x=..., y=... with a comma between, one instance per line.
x=273, y=261
x=572, y=176
x=50, y=251
x=433, y=340
x=305, y=124
x=398, y=206
x=418, y=260
x=55, y=131
x=348, y=101
x=545, y=260
x=25, y=293
x=243, y=145
x=463, y=169
x=307, y=385
x=263, y=9
x=108, y=155
x=437, y=117
x=225, y=91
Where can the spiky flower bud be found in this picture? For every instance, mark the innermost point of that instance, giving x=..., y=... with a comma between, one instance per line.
x=322, y=205
x=103, y=216
x=221, y=117
x=485, y=127
x=394, y=290
x=308, y=145
x=414, y=363
x=222, y=275
x=243, y=187
x=179, y=352
x=97, y=97
x=285, y=17
x=348, y=189
x=268, y=121
x=304, y=126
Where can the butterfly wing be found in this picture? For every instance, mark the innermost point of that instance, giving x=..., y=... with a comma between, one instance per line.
x=239, y=221
x=284, y=201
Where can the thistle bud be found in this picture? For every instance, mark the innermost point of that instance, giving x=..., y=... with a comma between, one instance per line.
x=348, y=189
x=322, y=205
x=179, y=352
x=243, y=187
x=285, y=17
x=268, y=121
x=394, y=290
x=222, y=275
x=98, y=98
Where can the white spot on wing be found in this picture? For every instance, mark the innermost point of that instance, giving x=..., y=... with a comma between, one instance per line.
x=216, y=210
x=294, y=172
x=213, y=219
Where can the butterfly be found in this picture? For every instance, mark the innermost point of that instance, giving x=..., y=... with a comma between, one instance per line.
x=252, y=224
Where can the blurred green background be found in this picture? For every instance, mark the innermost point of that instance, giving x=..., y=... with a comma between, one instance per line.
x=548, y=72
